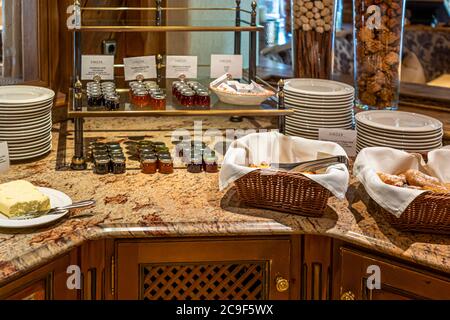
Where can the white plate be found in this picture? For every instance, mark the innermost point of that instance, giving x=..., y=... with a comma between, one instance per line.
x=29, y=146
x=409, y=149
x=57, y=199
x=425, y=151
x=35, y=137
x=25, y=107
x=31, y=123
x=297, y=103
x=30, y=155
x=318, y=87
x=397, y=138
x=367, y=140
x=309, y=99
x=26, y=131
x=399, y=121
x=22, y=111
x=412, y=135
x=318, y=124
x=14, y=95
x=340, y=117
x=320, y=112
x=25, y=119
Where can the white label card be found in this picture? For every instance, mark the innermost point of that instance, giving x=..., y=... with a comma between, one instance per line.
x=4, y=157
x=345, y=138
x=221, y=63
x=145, y=66
x=181, y=65
x=101, y=65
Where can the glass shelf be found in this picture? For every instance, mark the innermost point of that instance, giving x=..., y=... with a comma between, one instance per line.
x=174, y=108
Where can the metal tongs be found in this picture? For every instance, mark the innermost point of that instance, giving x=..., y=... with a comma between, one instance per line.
x=310, y=166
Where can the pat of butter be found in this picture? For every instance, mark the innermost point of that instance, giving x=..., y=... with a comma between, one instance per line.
x=21, y=197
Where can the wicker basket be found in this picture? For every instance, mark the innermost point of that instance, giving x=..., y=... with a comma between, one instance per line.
x=429, y=213
x=283, y=191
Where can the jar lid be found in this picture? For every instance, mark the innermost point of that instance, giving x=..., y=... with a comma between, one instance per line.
x=159, y=144
x=159, y=96
x=113, y=145
x=103, y=160
x=97, y=144
x=112, y=97
x=108, y=84
x=166, y=160
x=149, y=158
x=211, y=160
x=92, y=84
x=119, y=159
x=203, y=93
x=188, y=93
x=140, y=93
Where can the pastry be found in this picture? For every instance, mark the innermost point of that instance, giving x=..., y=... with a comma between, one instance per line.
x=420, y=179
x=393, y=180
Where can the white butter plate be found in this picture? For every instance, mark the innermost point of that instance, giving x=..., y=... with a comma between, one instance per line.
x=26, y=132
x=323, y=116
x=399, y=137
x=13, y=95
x=399, y=121
x=318, y=87
x=57, y=199
x=31, y=123
x=369, y=140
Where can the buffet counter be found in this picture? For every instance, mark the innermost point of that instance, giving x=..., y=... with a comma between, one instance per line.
x=185, y=205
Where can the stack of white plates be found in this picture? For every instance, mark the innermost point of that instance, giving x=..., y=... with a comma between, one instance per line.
x=26, y=120
x=399, y=130
x=318, y=104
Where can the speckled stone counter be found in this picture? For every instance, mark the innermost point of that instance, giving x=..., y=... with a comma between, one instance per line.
x=142, y=206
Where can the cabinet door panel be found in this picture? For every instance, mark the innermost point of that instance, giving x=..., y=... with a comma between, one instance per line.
x=202, y=270
x=397, y=282
x=46, y=283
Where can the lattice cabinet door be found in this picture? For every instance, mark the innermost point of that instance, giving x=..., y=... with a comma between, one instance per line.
x=204, y=270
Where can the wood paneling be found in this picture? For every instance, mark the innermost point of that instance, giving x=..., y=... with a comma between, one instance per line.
x=129, y=44
x=248, y=273
x=398, y=282
x=46, y=283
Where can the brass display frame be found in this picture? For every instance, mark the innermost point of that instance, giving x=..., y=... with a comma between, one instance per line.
x=75, y=96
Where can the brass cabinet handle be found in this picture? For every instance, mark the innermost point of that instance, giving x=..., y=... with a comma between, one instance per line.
x=282, y=284
x=348, y=296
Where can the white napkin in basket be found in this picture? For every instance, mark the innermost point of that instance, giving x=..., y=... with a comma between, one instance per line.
x=395, y=200
x=274, y=147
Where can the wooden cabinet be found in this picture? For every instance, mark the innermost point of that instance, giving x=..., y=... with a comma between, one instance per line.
x=225, y=269
x=46, y=283
x=398, y=282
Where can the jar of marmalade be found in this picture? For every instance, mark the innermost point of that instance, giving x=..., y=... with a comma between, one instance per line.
x=159, y=101
x=149, y=164
x=203, y=99
x=166, y=165
x=211, y=164
x=118, y=164
x=140, y=98
x=188, y=98
x=101, y=165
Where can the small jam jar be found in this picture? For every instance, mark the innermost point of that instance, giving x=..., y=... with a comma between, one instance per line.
x=149, y=164
x=188, y=98
x=165, y=165
x=203, y=99
x=159, y=101
x=211, y=164
x=101, y=165
x=140, y=98
x=112, y=102
x=95, y=98
x=118, y=164
x=175, y=85
x=196, y=164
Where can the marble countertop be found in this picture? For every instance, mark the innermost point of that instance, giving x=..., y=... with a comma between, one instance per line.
x=135, y=205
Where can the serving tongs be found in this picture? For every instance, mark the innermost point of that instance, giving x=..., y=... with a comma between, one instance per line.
x=56, y=211
x=310, y=166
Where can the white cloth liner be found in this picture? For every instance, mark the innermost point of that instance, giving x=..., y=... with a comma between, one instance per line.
x=396, y=200
x=274, y=147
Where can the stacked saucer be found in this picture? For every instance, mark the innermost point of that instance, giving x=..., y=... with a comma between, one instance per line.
x=26, y=121
x=399, y=130
x=318, y=104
